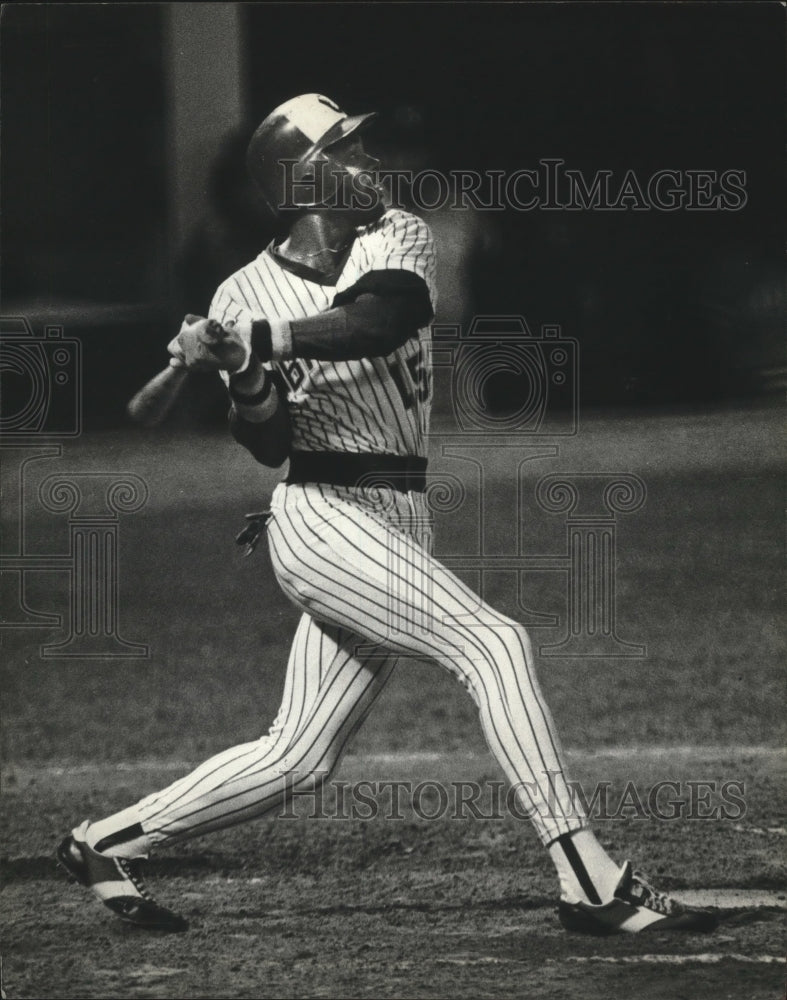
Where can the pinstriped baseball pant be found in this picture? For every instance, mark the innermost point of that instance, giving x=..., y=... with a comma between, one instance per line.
x=357, y=563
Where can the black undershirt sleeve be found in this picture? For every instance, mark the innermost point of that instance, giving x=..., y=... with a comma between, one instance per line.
x=374, y=317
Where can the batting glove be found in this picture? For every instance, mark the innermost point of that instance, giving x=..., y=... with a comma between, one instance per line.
x=205, y=345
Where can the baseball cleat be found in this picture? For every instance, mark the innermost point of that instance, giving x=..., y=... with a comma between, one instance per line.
x=636, y=906
x=117, y=882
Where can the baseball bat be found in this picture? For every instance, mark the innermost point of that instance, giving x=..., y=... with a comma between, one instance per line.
x=157, y=397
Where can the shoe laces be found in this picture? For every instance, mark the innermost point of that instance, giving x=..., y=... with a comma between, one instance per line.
x=131, y=869
x=643, y=893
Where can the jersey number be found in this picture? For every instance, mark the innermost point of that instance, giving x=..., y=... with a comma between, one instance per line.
x=418, y=387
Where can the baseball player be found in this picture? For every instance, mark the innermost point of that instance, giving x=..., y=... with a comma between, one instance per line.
x=323, y=343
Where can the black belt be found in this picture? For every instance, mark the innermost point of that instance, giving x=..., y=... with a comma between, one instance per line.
x=342, y=468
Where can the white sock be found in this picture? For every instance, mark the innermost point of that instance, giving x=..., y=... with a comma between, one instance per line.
x=120, y=835
x=587, y=873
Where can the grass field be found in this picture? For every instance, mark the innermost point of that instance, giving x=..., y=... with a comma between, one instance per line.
x=412, y=907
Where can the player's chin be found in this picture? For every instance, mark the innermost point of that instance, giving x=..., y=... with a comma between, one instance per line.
x=361, y=206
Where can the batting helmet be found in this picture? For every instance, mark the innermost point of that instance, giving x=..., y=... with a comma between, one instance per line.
x=290, y=157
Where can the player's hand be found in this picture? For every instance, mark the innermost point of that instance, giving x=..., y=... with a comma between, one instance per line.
x=205, y=345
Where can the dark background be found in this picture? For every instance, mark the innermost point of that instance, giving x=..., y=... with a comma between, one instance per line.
x=669, y=308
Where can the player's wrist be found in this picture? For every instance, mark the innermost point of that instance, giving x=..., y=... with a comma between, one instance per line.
x=253, y=394
x=271, y=338
x=249, y=380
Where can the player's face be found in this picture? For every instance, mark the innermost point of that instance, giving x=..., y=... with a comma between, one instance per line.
x=350, y=153
x=362, y=196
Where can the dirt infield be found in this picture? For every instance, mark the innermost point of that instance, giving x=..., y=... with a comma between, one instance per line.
x=323, y=906
x=677, y=751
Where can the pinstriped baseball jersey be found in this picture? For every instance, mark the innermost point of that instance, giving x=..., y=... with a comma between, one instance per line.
x=377, y=405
